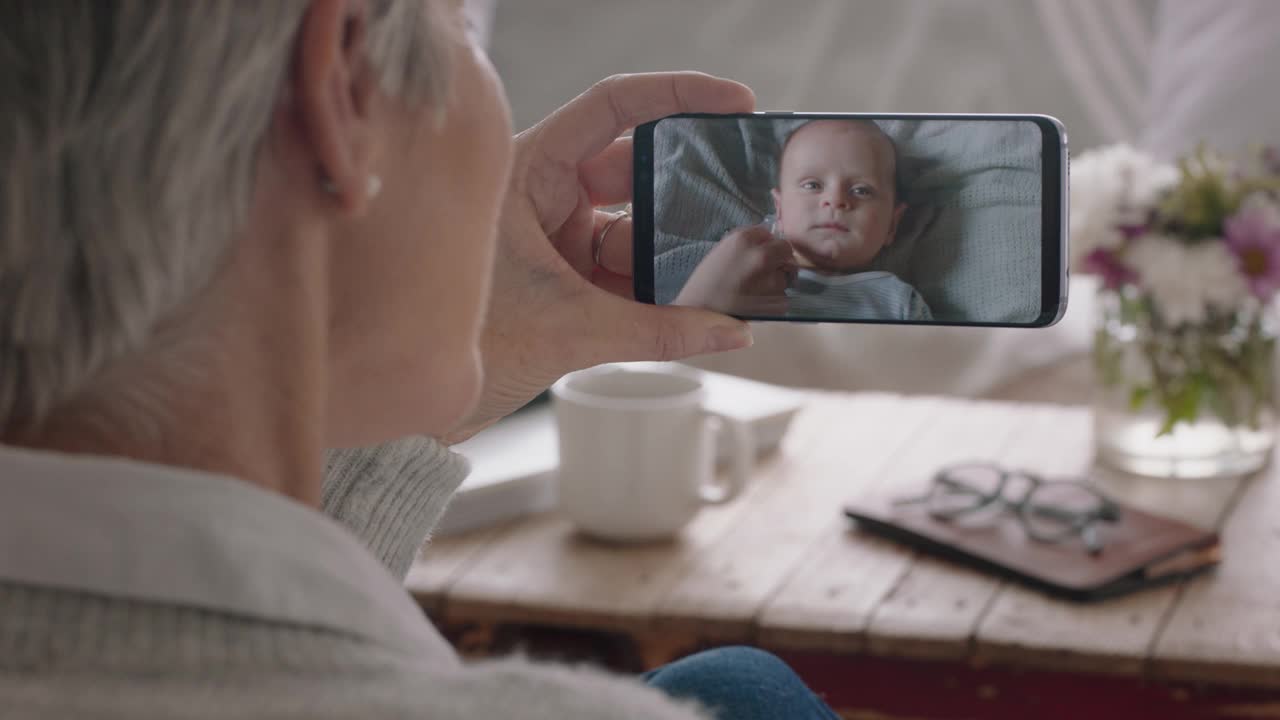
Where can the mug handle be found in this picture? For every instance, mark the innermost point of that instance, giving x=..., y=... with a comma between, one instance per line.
x=742, y=453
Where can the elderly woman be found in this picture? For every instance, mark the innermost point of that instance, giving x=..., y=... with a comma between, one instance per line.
x=234, y=234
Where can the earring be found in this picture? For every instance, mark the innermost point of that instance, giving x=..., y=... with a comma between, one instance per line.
x=372, y=186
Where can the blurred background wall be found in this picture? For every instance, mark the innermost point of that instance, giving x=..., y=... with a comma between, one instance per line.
x=1084, y=61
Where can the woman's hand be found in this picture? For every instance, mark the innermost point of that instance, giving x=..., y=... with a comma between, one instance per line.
x=551, y=310
x=746, y=273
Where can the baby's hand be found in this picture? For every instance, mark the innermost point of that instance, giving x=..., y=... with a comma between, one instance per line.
x=746, y=273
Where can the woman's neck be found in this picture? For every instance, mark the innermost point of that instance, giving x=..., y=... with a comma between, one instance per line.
x=238, y=386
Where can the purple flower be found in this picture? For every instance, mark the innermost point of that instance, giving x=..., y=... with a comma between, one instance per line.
x=1253, y=235
x=1106, y=264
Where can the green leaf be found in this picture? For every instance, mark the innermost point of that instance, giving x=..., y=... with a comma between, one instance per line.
x=1201, y=200
x=1183, y=405
x=1138, y=397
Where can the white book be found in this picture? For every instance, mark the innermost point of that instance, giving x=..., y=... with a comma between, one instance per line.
x=513, y=462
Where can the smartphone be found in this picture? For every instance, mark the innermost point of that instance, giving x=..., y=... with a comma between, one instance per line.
x=930, y=219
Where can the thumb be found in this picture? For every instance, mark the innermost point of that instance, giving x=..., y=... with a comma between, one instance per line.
x=666, y=332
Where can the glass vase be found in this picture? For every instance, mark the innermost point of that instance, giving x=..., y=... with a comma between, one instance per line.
x=1195, y=401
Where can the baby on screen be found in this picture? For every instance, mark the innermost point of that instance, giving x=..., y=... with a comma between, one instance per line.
x=836, y=206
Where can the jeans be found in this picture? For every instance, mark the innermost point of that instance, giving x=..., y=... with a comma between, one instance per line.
x=740, y=683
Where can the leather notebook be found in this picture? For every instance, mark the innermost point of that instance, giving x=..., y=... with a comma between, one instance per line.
x=1141, y=550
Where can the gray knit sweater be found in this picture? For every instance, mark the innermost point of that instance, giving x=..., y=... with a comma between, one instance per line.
x=139, y=591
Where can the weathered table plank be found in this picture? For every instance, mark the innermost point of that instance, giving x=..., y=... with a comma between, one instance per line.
x=442, y=561
x=832, y=598
x=1026, y=627
x=937, y=605
x=721, y=593
x=1226, y=628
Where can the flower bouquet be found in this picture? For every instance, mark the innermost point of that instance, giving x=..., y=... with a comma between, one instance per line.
x=1188, y=257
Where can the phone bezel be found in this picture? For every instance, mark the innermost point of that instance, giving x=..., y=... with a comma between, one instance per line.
x=1054, y=210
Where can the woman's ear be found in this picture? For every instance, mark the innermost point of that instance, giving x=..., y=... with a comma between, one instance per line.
x=335, y=85
x=777, y=202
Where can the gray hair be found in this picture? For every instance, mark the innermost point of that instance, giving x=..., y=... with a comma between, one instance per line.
x=128, y=141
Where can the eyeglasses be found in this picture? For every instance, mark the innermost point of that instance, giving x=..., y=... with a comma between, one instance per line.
x=1049, y=510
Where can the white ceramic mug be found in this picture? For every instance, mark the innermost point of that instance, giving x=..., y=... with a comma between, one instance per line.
x=638, y=449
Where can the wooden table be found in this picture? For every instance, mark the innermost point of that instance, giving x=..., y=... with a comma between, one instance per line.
x=883, y=631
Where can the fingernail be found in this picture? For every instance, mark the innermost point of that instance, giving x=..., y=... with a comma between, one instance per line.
x=728, y=337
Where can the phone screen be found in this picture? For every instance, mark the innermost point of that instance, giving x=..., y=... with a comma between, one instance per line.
x=937, y=219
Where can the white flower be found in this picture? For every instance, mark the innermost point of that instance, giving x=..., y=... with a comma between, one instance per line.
x=1186, y=280
x=1109, y=186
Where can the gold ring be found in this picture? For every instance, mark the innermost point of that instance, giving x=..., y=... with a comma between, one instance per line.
x=604, y=232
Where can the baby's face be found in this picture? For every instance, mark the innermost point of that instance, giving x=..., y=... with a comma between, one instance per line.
x=835, y=195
